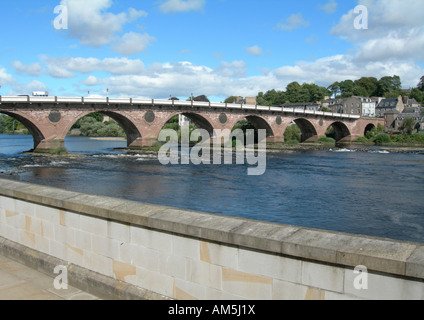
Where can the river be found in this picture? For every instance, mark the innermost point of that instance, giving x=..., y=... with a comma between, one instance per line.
x=370, y=192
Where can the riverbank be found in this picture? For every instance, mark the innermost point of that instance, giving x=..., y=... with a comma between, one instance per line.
x=108, y=138
x=304, y=147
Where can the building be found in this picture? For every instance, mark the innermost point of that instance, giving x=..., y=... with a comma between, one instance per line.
x=393, y=106
x=363, y=106
x=247, y=100
x=408, y=112
x=411, y=103
x=369, y=106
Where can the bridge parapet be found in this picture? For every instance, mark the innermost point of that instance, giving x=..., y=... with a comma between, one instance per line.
x=174, y=103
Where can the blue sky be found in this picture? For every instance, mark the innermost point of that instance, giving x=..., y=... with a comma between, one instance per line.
x=154, y=49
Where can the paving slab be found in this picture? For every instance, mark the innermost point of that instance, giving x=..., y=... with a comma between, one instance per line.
x=19, y=282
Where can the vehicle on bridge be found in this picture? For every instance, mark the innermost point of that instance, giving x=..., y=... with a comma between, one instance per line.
x=40, y=94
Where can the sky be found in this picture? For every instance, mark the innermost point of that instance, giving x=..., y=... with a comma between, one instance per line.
x=218, y=48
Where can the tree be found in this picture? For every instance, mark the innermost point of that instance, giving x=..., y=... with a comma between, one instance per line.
x=292, y=134
x=346, y=88
x=271, y=98
x=315, y=93
x=360, y=91
x=304, y=94
x=408, y=125
x=9, y=124
x=293, y=92
x=417, y=94
x=201, y=98
x=389, y=84
x=95, y=115
x=335, y=89
x=421, y=84
x=366, y=86
x=231, y=99
x=2, y=124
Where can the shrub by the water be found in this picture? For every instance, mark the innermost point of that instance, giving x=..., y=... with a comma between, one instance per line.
x=382, y=138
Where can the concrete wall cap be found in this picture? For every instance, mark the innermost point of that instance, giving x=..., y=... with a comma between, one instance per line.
x=347, y=250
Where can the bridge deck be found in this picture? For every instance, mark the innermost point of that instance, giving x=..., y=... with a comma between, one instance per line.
x=175, y=103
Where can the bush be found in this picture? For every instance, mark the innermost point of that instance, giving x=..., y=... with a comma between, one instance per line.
x=372, y=133
x=382, y=138
x=327, y=140
x=292, y=133
x=292, y=142
x=362, y=139
x=413, y=138
x=90, y=127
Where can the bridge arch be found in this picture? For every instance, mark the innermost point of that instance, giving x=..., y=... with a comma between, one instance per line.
x=260, y=123
x=369, y=128
x=198, y=120
x=307, y=128
x=33, y=129
x=131, y=131
x=340, y=131
x=256, y=121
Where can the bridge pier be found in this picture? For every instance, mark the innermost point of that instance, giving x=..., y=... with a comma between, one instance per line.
x=350, y=138
x=275, y=139
x=140, y=143
x=312, y=139
x=47, y=146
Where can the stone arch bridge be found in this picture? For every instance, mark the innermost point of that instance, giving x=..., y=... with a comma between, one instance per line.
x=49, y=119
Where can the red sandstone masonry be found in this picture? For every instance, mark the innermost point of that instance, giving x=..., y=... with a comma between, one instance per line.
x=50, y=119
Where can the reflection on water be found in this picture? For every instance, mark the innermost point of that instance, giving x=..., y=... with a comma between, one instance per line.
x=373, y=193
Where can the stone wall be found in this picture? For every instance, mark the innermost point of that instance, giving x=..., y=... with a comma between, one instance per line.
x=183, y=254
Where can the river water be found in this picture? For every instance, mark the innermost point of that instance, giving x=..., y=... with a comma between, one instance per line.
x=371, y=192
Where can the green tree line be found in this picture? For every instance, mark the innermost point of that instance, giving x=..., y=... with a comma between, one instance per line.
x=93, y=126
x=388, y=87
x=9, y=125
x=295, y=93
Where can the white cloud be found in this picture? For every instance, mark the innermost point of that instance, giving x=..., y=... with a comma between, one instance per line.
x=27, y=88
x=5, y=78
x=90, y=23
x=59, y=72
x=235, y=69
x=91, y=81
x=160, y=80
x=295, y=21
x=395, y=31
x=330, y=7
x=63, y=67
x=175, y=6
x=132, y=43
x=327, y=70
x=254, y=51
x=32, y=70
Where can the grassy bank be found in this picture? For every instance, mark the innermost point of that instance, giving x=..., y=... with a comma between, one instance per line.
x=385, y=139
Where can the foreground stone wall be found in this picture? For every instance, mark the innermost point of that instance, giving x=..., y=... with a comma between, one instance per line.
x=183, y=254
